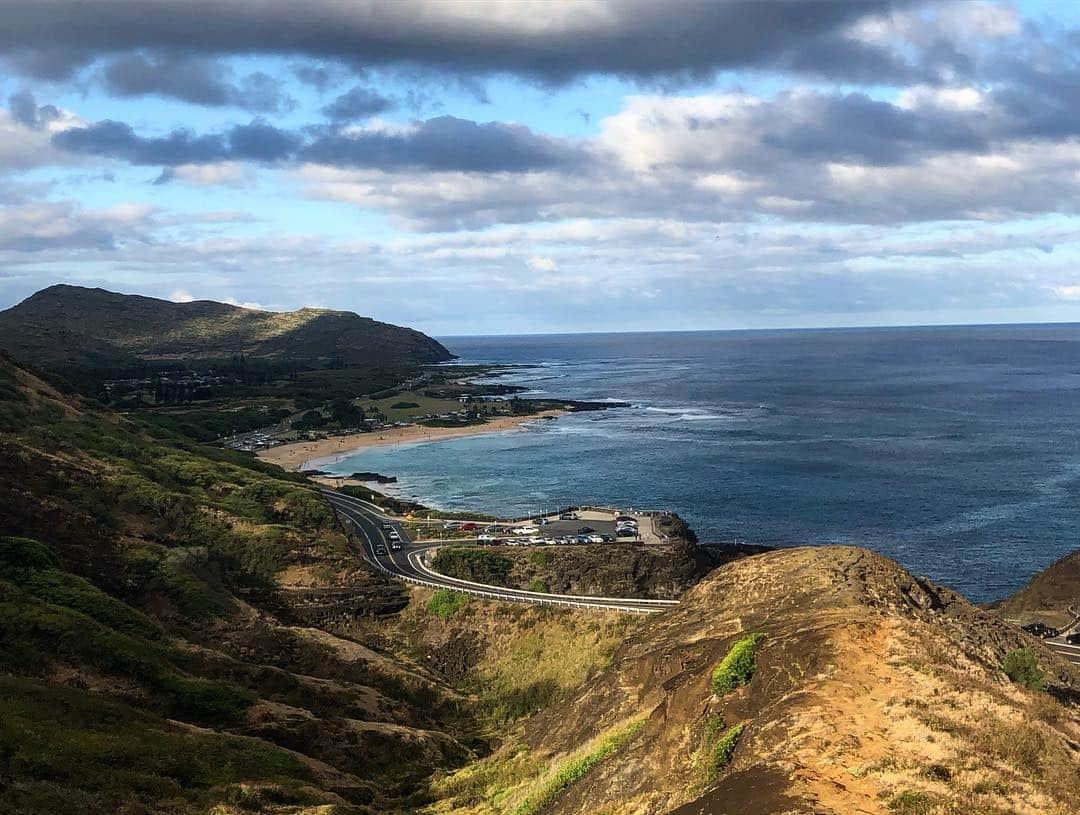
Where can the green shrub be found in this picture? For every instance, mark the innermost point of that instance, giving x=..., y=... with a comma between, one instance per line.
x=1022, y=667
x=539, y=586
x=478, y=565
x=723, y=751
x=207, y=699
x=446, y=603
x=737, y=667
x=911, y=802
x=573, y=771
x=538, y=557
x=24, y=553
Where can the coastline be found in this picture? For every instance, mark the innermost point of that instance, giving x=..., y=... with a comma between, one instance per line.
x=300, y=455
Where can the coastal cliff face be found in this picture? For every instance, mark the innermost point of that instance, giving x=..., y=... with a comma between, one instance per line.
x=872, y=691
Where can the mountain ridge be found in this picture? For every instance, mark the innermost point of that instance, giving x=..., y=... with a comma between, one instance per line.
x=64, y=327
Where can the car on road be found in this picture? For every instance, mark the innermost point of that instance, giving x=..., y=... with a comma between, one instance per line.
x=1040, y=629
x=468, y=527
x=396, y=546
x=544, y=521
x=568, y=516
x=380, y=549
x=393, y=535
x=387, y=526
x=1073, y=639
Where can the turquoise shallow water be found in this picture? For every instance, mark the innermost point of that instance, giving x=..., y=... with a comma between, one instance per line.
x=954, y=450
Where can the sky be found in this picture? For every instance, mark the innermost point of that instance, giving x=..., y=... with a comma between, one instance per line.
x=524, y=166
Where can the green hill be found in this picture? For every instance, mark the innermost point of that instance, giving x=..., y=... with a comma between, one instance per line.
x=65, y=328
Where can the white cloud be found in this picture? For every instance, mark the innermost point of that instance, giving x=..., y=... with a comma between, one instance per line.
x=181, y=296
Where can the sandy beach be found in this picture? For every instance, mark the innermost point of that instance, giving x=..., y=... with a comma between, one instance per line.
x=297, y=455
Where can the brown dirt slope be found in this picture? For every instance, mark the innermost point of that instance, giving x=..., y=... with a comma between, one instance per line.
x=874, y=692
x=1049, y=595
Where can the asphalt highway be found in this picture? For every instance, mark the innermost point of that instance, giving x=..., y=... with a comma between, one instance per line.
x=407, y=563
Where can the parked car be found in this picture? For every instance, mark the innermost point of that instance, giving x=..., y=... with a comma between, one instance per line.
x=581, y=539
x=544, y=521
x=568, y=516
x=607, y=538
x=525, y=530
x=585, y=530
x=596, y=538
x=625, y=532
x=485, y=538
x=468, y=527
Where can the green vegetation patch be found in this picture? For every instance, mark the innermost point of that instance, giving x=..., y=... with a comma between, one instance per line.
x=539, y=557
x=1022, y=667
x=539, y=586
x=737, y=667
x=575, y=769
x=721, y=753
x=445, y=603
x=912, y=802
x=66, y=751
x=478, y=565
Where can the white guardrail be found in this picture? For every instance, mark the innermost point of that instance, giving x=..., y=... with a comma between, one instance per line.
x=492, y=593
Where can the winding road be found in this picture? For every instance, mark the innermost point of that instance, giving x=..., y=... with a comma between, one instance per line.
x=408, y=564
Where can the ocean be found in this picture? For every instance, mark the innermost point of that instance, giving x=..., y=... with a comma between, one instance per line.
x=954, y=450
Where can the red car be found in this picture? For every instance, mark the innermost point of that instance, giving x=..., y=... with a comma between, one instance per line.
x=467, y=527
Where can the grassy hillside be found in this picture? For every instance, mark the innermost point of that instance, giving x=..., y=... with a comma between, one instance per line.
x=173, y=620
x=67, y=328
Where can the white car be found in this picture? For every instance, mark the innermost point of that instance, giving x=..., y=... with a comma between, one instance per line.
x=525, y=530
x=485, y=538
x=596, y=539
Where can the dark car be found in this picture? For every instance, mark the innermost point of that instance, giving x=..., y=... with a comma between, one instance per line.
x=1040, y=629
x=625, y=533
x=380, y=549
x=586, y=530
x=608, y=538
x=1073, y=639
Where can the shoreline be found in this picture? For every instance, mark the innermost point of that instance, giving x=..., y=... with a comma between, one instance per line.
x=301, y=455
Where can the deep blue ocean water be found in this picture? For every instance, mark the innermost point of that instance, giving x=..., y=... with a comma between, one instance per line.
x=954, y=450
